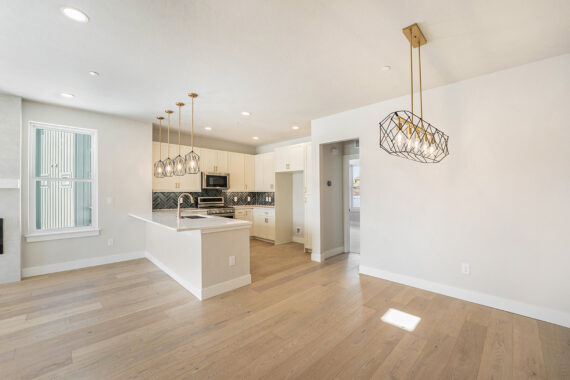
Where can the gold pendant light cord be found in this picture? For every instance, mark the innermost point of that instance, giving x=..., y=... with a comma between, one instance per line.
x=168, y=135
x=179, y=111
x=160, y=139
x=420, y=72
x=412, y=77
x=192, y=125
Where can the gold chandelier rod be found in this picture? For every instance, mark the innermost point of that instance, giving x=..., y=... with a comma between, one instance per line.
x=169, y=112
x=179, y=104
x=193, y=96
x=414, y=34
x=160, y=118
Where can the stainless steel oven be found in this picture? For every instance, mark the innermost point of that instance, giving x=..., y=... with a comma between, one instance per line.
x=215, y=206
x=220, y=181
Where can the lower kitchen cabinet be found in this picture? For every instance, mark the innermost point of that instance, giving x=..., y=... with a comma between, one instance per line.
x=264, y=223
x=245, y=214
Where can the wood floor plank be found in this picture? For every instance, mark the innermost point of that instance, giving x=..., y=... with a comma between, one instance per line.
x=497, y=358
x=298, y=319
x=528, y=362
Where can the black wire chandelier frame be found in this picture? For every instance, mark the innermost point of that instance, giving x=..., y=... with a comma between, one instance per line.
x=404, y=134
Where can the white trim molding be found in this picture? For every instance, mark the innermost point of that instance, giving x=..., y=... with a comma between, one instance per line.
x=84, y=263
x=533, y=311
x=332, y=252
x=226, y=286
x=62, y=234
x=9, y=183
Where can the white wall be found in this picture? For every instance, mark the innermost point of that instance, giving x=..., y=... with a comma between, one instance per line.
x=201, y=141
x=499, y=201
x=298, y=207
x=10, y=145
x=125, y=170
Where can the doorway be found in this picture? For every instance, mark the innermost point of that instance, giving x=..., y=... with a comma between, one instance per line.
x=351, y=196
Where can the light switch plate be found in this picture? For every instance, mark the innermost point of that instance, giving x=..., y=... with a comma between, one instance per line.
x=232, y=260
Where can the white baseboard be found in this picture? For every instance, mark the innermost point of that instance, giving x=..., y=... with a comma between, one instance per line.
x=197, y=292
x=298, y=239
x=533, y=311
x=226, y=286
x=332, y=252
x=316, y=256
x=84, y=263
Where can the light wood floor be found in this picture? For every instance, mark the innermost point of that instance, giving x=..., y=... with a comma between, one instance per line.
x=298, y=319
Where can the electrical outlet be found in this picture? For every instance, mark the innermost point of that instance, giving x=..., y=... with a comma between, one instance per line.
x=109, y=200
x=465, y=268
x=232, y=261
x=235, y=199
x=110, y=242
x=269, y=199
x=248, y=199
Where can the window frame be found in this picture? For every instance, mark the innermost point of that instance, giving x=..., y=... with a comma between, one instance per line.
x=68, y=232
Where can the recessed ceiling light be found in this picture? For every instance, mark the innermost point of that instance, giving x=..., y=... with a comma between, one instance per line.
x=75, y=14
x=245, y=113
x=386, y=68
x=255, y=138
x=66, y=95
x=94, y=73
x=295, y=127
x=208, y=128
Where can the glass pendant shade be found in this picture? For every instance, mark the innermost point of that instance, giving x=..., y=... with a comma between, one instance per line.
x=192, y=163
x=159, y=169
x=168, y=167
x=179, y=168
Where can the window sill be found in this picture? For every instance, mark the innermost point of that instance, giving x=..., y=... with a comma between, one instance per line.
x=44, y=236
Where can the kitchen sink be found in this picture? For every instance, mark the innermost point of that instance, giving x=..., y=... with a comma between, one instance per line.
x=192, y=217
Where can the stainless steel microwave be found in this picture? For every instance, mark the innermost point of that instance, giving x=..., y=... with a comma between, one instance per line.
x=220, y=181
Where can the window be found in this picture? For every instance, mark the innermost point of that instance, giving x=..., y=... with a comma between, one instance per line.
x=62, y=182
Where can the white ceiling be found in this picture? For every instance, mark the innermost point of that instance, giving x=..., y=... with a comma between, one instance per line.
x=286, y=62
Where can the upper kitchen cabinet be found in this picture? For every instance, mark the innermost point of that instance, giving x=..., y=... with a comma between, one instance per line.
x=249, y=172
x=214, y=161
x=308, y=169
x=265, y=172
x=236, y=166
x=290, y=158
x=242, y=171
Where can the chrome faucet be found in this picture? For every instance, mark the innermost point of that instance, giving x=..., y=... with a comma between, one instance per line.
x=180, y=199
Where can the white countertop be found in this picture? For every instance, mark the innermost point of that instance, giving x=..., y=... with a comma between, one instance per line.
x=209, y=223
x=252, y=206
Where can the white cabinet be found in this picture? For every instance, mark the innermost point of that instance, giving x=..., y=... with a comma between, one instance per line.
x=308, y=172
x=264, y=223
x=249, y=172
x=264, y=172
x=245, y=214
x=290, y=158
x=308, y=232
x=214, y=161
x=241, y=168
x=188, y=182
x=236, y=168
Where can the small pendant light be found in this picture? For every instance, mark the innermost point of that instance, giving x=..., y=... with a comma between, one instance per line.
x=192, y=158
x=159, y=165
x=179, y=169
x=168, y=164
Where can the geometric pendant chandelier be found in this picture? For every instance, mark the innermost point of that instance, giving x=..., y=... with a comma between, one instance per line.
x=406, y=135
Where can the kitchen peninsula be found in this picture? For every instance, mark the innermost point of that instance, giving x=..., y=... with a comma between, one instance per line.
x=207, y=255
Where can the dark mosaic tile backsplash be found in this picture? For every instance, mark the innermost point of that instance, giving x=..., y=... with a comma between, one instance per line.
x=166, y=200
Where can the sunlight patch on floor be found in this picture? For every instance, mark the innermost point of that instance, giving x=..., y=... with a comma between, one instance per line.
x=400, y=319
